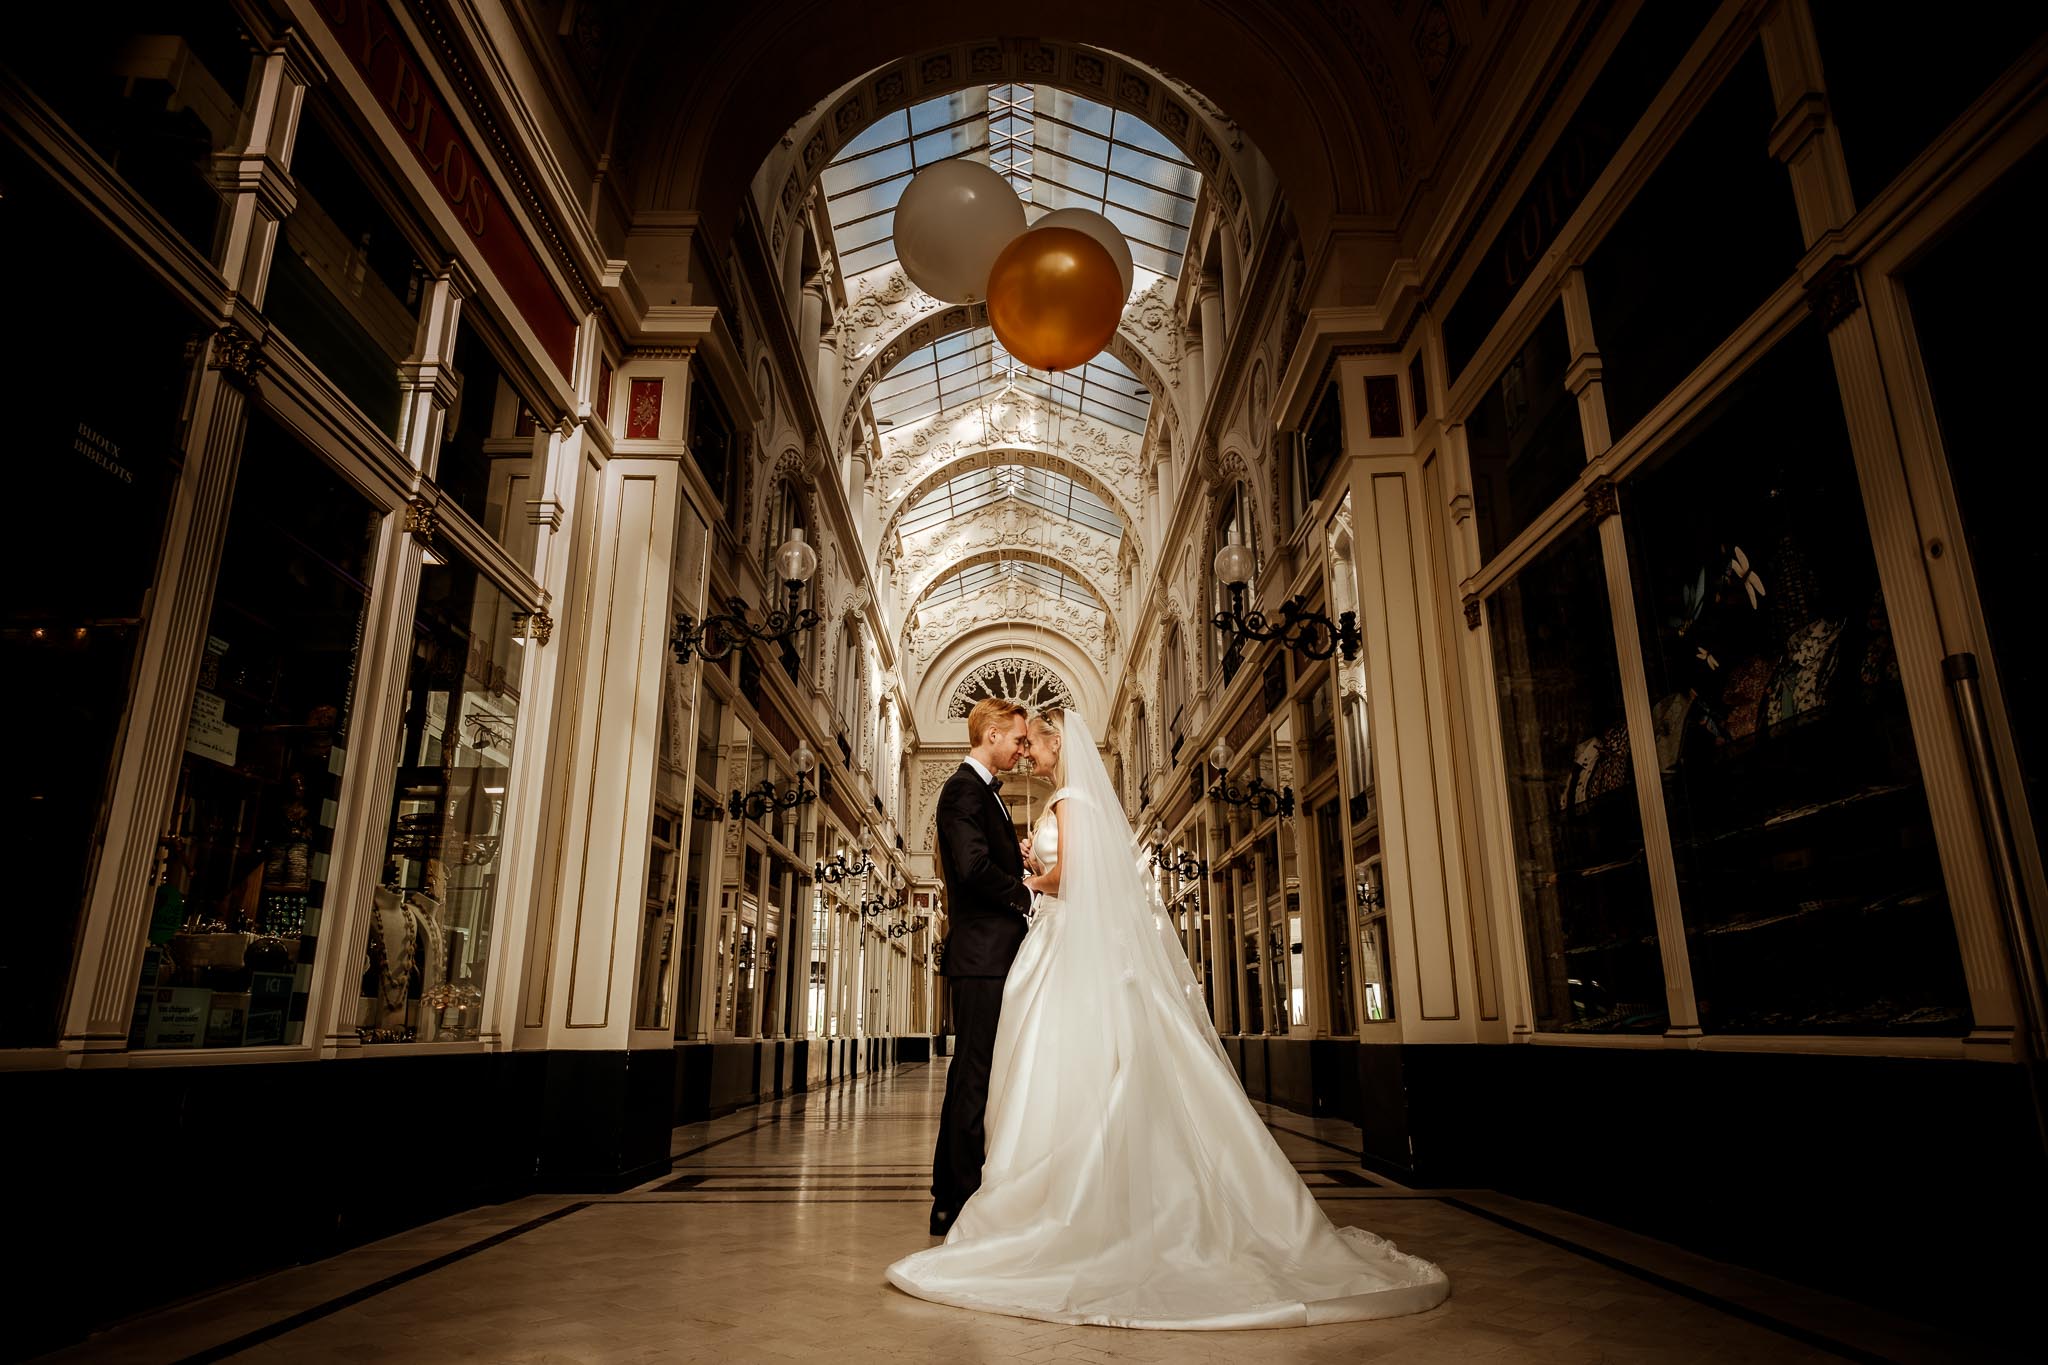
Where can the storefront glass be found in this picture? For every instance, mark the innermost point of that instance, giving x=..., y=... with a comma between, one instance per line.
x=157, y=95
x=1585, y=890
x=1338, y=904
x=236, y=917
x=1813, y=897
x=105, y=448
x=431, y=919
x=1524, y=438
x=1721, y=252
x=486, y=462
x=1962, y=292
x=345, y=286
x=656, y=978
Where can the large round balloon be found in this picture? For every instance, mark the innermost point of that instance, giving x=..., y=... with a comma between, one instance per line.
x=1102, y=230
x=954, y=219
x=1053, y=298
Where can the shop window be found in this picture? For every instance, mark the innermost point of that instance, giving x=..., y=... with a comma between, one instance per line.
x=1585, y=890
x=1964, y=293
x=1658, y=34
x=231, y=937
x=1698, y=249
x=1321, y=443
x=1895, y=81
x=486, y=460
x=345, y=284
x=1813, y=897
x=714, y=447
x=157, y=95
x=99, y=452
x=1338, y=908
x=431, y=919
x=1375, y=980
x=1524, y=438
x=655, y=986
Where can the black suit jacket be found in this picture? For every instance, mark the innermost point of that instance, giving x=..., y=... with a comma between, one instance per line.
x=986, y=898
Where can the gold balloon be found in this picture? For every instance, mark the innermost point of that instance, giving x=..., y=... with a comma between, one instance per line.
x=1054, y=298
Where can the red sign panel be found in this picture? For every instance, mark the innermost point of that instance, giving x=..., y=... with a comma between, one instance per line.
x=643, y=416
x=398, y=80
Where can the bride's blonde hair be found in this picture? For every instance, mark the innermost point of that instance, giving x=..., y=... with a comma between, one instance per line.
x=1048, y=723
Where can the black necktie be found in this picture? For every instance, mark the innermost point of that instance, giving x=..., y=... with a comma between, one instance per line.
x=995, y=784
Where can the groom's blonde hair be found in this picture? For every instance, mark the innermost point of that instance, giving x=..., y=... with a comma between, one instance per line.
x=990, y=711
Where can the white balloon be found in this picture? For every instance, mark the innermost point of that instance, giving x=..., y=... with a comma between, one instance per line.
x=1102, y=230
x=954, y=219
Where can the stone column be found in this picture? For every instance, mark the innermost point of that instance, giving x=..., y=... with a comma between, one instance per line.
x=1215, y=332
x=610, y=753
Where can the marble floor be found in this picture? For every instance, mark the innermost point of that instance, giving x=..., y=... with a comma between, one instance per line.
x=767, y=1242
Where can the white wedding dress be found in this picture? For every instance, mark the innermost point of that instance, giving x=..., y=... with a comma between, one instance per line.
x=1128, y=1182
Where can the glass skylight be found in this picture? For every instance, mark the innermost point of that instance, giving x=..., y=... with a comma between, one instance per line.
x=978, y=578
x=1057, y=149
x=1042, y=488
x=969, y=366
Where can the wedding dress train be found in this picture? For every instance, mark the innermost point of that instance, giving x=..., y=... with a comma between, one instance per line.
x=1128, y=1181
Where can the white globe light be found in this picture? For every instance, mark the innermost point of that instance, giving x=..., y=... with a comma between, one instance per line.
x=796, y=561
x=1234, y=563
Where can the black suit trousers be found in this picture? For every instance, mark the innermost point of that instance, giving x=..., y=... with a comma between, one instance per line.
x=956, y=1163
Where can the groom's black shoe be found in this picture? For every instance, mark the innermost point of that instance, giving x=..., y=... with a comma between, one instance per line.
x=942, y=1220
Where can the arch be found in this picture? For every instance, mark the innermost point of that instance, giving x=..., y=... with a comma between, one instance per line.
x=991, y=457
x=916, y=597
x=719, y=92
x=1053, y=648
x=922, y=330
x=1020, y=679
x=1010, y=530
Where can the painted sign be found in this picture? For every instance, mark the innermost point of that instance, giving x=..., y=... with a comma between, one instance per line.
x=398, y=80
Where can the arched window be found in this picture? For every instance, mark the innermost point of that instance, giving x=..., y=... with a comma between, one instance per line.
x=1020, y=680
x=1234, y=515
x=846, y=690
x=784, y=514
x=1173, y=692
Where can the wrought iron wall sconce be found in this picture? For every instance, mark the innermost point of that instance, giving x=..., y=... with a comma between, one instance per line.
x=704, y=808
x=905, y=928
x=839, y=869
x=874, y=906
x=1310, y=633
x=1265, y=799
x=753, y=805
x=717, y=636
x=1183, y=862
x=1369, y=897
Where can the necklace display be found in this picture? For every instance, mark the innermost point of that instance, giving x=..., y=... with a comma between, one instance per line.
x=395, y=925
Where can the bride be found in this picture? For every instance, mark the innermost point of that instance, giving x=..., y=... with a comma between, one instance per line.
x=1128, y=1182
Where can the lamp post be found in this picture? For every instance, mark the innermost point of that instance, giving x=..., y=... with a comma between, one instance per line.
x=839, y=868
x=717, y=636
x=1310, y=633
x=1261, y=797
x=752, y=805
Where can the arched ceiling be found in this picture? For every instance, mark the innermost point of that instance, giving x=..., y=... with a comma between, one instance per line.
x=987, y=571
x=712, y=88
x=1049, y=470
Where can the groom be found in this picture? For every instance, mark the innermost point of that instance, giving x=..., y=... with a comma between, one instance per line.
x=986, y=902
